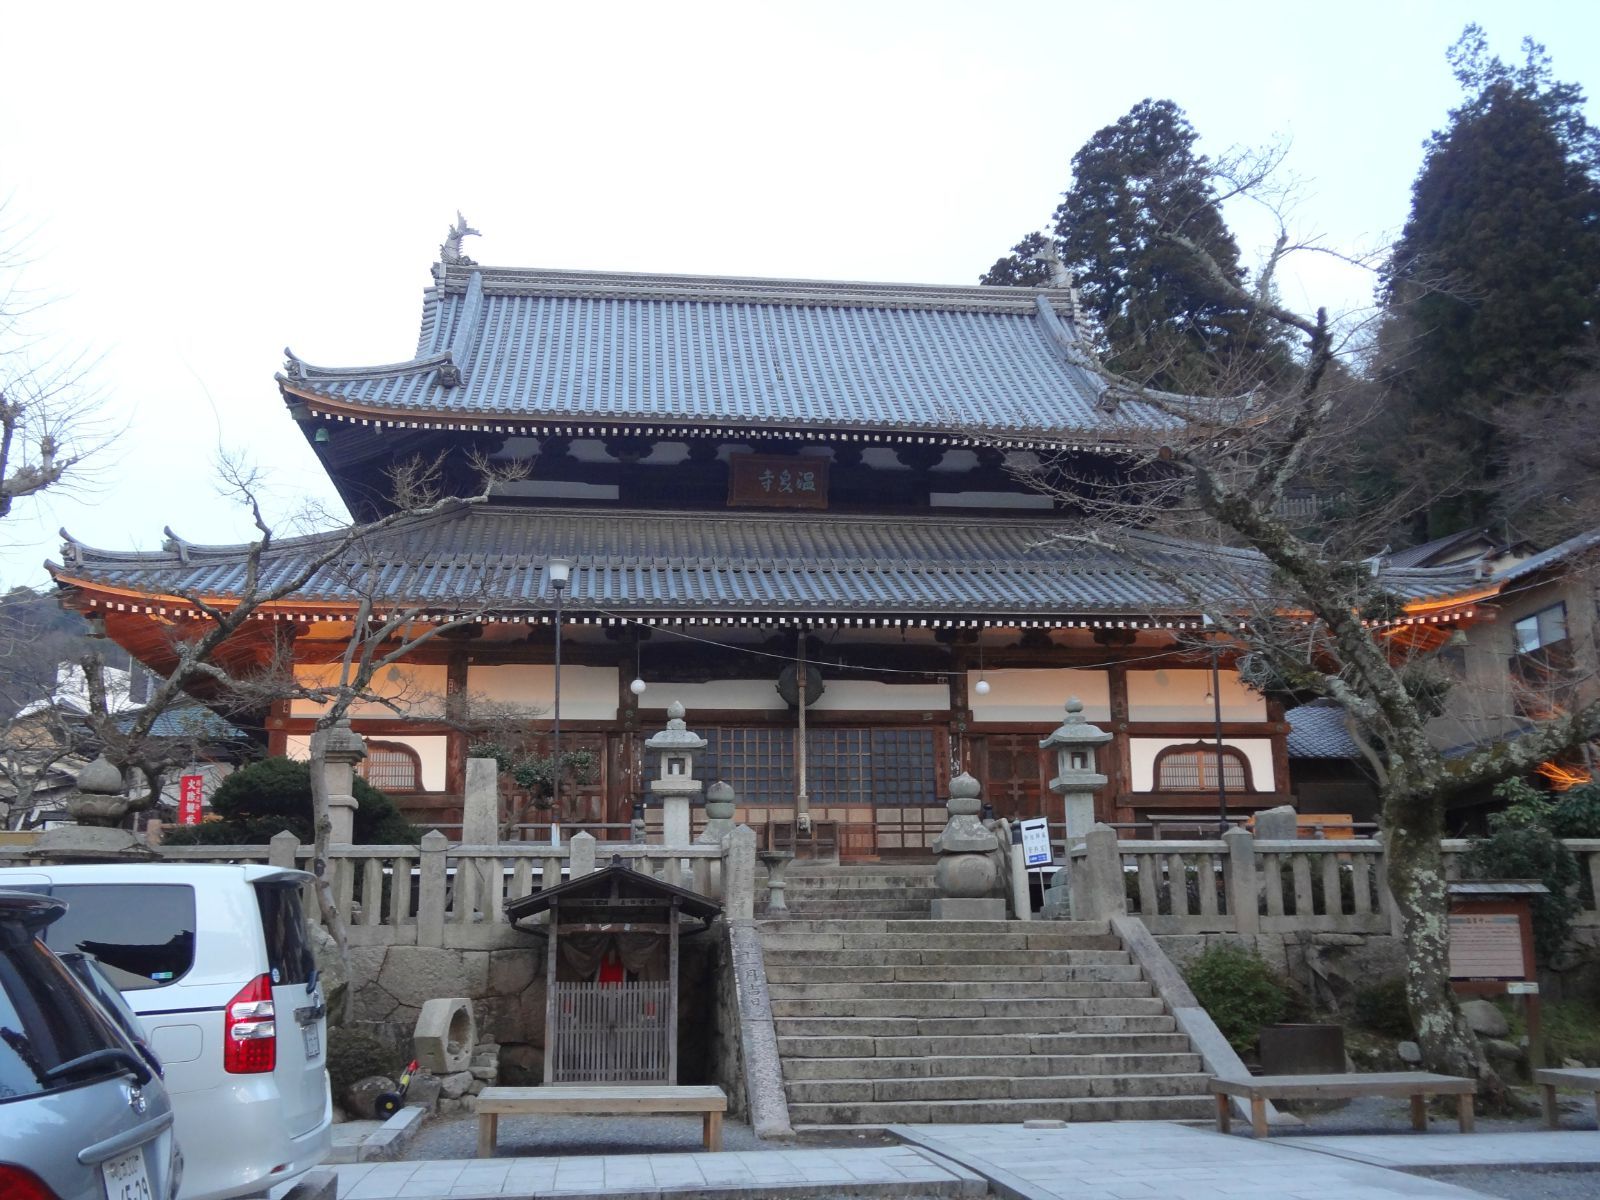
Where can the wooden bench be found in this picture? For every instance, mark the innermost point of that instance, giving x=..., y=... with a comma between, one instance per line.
x=1585, y=1079
x=599, y=1099
x=1418, y=1085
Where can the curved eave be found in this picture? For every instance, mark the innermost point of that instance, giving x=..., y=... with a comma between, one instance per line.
x=323, y=406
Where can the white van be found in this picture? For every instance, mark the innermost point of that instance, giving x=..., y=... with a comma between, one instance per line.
x=214, y=961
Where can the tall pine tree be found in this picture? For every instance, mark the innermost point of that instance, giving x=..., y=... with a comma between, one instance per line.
x=1160, y=319
x=1493, y=290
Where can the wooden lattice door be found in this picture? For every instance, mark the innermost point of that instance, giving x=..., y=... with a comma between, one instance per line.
x=1012, y=773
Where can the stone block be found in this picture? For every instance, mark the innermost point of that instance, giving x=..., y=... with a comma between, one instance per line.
x=1410, y=1053
x=948, y=908
x=1277, y=824
x=361, y=1098
x=445, y=1035
x=454, y=1086
x=510, y=971
x=424, y=1091
x=416, y=974
x=1486, y=1020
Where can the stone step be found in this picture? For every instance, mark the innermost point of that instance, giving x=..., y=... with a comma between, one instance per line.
x=987, y=1007
x=1014, y=1066
x=845, y=872
x=953, y=1112
x=922, y=1047
x=896, y=891
x=989, y=989
x=1041, y=932
x=938, y=958
x=935, y=941
x=809, y=913
x=793, y=970
x=963, y=1026
x=993, y=1087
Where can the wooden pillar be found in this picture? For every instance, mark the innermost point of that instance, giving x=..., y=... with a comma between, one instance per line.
x=550, y=991
x=277, y=728
x=455, y=710
x=1117, y=760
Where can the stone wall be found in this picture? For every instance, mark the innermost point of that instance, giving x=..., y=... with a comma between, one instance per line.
x=1326, y=968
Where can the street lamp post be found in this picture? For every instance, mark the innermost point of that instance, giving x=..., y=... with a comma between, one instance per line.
x=560, y=575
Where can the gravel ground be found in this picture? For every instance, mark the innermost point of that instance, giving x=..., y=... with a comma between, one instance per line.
x=1525, y=1184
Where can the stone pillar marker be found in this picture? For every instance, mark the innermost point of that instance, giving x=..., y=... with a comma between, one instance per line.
x=1279, y=824
x=966, y=872
x=675, y=784
x=1076, y=781
x=580, y=861
x=480, y=807
x=342, y=748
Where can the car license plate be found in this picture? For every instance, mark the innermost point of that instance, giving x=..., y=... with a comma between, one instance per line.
x=313, y=1041
x=125, y=1178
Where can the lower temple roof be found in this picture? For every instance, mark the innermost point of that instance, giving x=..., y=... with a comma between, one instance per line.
x=492, y=558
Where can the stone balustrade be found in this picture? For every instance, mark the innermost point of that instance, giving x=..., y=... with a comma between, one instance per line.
x=454, y=896
x=1239, y=884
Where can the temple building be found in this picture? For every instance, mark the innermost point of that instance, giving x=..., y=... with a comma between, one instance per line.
x=768, y=491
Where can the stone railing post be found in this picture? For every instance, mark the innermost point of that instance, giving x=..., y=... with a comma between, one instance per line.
x=1385, y=895
x=580, y=856
x=281, y=849
x=1104, y=893
x=480, y=805
x=431, y=889
x=1244, y=884
x=739, y=876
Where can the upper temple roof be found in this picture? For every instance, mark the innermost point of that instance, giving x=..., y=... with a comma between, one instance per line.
x=508, y=346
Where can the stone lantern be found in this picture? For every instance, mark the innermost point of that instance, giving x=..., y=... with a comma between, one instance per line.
x=967, y=871
x=96, y=805
x=341, y=749
x=1076, y=780
x=675, y=783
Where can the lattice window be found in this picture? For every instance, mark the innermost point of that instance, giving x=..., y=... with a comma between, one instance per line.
x=904, y=770
x=391, y=767
x=758, y=762
x=1193, y=768
x=843, y=766
x=839, y=766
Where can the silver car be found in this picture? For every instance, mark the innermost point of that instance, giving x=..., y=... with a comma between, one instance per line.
x=83, y=1116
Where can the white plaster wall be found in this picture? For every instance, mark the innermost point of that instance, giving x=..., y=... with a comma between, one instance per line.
x=1168, y=695
x=418, y=689
x=430, y=754
x=743, y=695
x=860, y=695
x=1257, y=752
x=587, y=693
x=1026, y=695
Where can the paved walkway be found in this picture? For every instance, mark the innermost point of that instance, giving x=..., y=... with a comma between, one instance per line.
x=898, y=1171
x=1101, y=1161
x=1132, y=1160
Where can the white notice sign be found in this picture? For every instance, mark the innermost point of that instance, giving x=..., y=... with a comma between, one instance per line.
x=1036, y=842
x=1485, y=946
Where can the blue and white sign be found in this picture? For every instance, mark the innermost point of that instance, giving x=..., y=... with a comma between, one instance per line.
x=1036, y=842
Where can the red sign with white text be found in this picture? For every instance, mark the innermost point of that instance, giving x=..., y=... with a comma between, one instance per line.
x=191, y=794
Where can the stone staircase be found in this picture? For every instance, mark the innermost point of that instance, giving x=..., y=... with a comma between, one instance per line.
x=883, y=1015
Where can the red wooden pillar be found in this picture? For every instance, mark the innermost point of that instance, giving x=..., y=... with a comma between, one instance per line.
x=1116, y=760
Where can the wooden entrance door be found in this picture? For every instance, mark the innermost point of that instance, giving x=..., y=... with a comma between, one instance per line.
x=1011, y=769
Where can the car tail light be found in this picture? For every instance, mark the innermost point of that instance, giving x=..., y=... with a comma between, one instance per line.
x=19, y=1183
x=250, y=1030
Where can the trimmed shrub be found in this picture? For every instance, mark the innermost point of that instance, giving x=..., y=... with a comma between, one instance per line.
x=275, y=794
x=1239, y=990
x=1381, y=1008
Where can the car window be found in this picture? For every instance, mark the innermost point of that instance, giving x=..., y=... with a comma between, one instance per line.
x=45, y=1021
x=283, y=924
x=142, y=933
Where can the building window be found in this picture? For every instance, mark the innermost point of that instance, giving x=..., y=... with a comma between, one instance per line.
x=1543, y=628
x=391, y=767
x=843, y=766
x=1193, y=768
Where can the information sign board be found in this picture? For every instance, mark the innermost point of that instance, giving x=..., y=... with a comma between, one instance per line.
x=191, y=797
x=1036, y=842
x=1486, y=946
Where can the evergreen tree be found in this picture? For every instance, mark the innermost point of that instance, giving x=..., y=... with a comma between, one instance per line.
x=1493, y=289
x=1160, y=318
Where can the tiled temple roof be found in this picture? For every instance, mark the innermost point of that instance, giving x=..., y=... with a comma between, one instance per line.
x=729, y=564
x=545, y=347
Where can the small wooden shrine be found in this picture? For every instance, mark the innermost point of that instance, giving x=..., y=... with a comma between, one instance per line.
x=611, y=973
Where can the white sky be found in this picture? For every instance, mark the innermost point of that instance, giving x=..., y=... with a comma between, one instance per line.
x=204, y=184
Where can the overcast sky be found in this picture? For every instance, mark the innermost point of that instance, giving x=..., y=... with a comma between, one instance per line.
x=202, y=185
